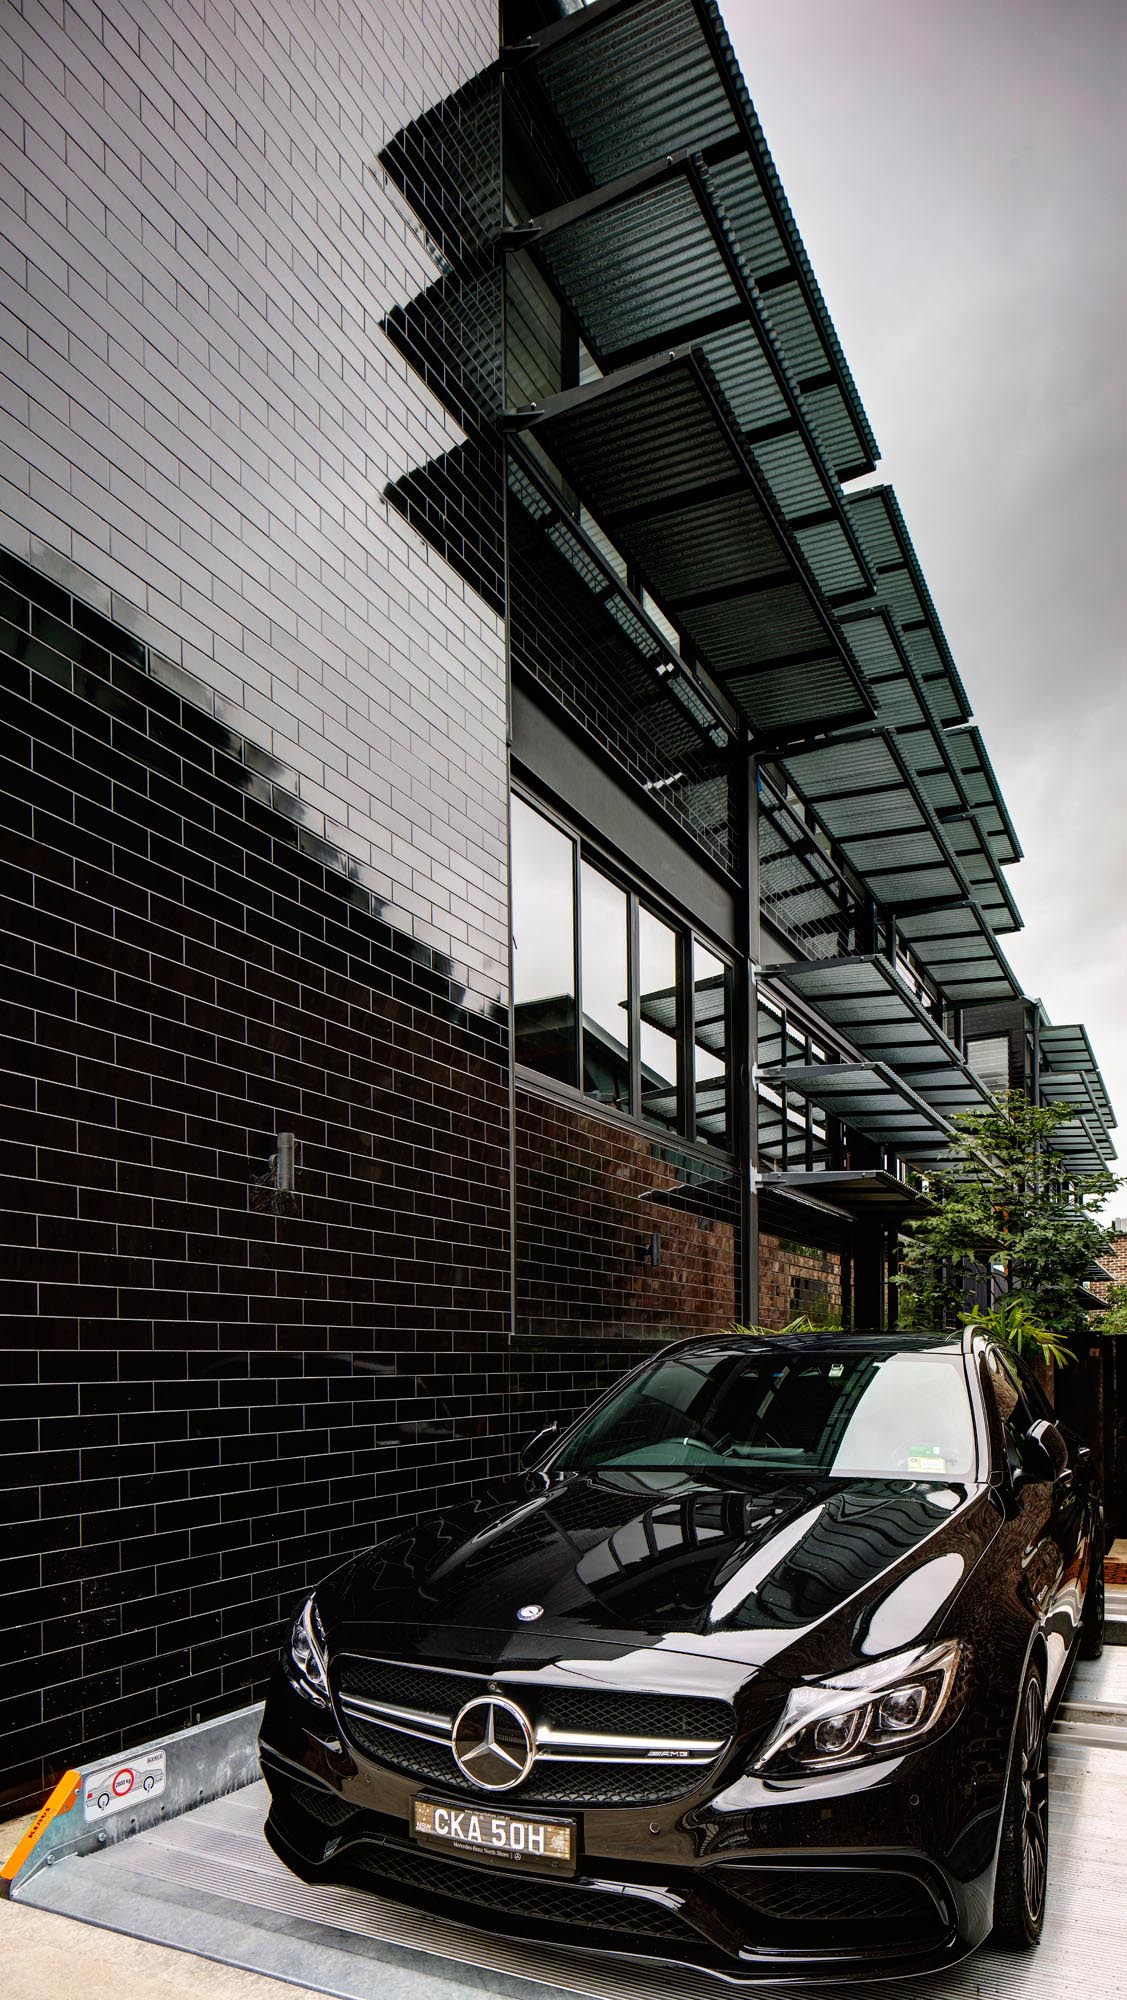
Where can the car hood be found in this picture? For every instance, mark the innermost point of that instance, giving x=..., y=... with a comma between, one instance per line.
x=794, y=1574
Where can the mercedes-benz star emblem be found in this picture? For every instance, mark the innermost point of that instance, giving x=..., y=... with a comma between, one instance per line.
x=528, y=1612
x=493, y=1743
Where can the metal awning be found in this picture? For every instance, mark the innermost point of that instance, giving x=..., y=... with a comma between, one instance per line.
x=958, y=948
x=654, y=453
x=872, y=1099
x=903, y=593
x=933, y=757
x=626, y=83
x=859, y=1194
x=867, y=1001
x=1065, y=1049
x=546, y=532
x=862, y=791
x=1083, y=1144
x=647, y=264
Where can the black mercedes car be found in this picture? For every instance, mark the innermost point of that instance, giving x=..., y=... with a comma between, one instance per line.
x=750, y=1669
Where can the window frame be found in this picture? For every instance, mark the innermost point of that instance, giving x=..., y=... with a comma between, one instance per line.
x=639, y=896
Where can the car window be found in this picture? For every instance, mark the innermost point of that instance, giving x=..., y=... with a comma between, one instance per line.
x=830, y=1410
x=1007, y=1390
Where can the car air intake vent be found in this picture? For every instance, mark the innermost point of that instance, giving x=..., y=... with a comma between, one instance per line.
x=327, y=1807
x=861, y=1906
x=525, y=1898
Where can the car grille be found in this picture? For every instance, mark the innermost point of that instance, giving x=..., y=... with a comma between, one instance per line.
x=548, y=1784
x=402, y=1716
x=525, y=1897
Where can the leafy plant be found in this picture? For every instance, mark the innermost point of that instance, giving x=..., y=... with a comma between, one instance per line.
x=800, y=1325
x=1114, y=1320
x=1008, y=1208
x=1012, y=1320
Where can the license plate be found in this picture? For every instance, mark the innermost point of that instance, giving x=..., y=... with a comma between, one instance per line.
x=547, y=1845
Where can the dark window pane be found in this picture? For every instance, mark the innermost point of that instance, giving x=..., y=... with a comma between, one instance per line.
x=711, y=1017
x=606, y=993
x=657, y=978
x=543, y=945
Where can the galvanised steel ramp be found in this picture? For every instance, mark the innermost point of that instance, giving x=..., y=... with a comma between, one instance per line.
x=203, y=1879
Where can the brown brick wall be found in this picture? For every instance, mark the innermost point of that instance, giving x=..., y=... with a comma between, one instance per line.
x=1115, y=1261
x=792, y=1275
x=586, y=1211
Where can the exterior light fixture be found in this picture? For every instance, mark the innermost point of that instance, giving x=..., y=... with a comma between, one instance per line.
x=284, y=1163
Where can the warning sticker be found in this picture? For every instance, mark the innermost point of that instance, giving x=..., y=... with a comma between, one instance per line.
x=123, y=1784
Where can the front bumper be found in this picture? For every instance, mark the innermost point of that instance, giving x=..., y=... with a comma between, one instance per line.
x=741, y=1880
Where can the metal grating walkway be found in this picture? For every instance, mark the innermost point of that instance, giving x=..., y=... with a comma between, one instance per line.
x=207, y=1882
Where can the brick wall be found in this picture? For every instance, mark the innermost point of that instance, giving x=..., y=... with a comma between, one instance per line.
x=591, y=1195
x=792, y=1277
x=254, y=853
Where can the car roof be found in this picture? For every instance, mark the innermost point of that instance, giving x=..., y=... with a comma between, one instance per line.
x=855, y=1341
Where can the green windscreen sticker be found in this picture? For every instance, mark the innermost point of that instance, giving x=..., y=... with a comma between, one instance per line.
x=926, y=1458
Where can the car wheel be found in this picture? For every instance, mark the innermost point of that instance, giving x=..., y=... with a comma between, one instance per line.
x=1023, y=1856
x=1092, y=1617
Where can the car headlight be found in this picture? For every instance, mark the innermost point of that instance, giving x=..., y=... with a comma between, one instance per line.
x=305, y=1655
x=874, y=1711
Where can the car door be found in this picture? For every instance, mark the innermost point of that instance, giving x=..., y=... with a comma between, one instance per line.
x=1071, y=1504
x=1048, y=1515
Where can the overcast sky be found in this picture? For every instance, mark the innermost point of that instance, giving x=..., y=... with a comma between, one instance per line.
x=958, y=169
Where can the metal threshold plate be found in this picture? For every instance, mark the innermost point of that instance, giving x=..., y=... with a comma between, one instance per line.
x=207, y=1882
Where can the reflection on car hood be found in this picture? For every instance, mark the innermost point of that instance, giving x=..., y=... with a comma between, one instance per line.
x=746, y=1570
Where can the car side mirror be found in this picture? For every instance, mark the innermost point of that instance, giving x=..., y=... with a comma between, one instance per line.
x=536, y=1447
x=1046, y=1453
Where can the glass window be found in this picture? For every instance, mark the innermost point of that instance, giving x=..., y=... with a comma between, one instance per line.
x=606, y=989
x=543, y=869
x=636, y=973
x=711, y=1015
x=657, y=982
x=841, y=1411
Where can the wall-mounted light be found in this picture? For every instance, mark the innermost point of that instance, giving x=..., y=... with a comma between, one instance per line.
x=284, y=1163
x=649, y=1249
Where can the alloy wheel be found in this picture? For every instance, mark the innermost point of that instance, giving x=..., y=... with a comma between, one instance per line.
x=1035, y=1801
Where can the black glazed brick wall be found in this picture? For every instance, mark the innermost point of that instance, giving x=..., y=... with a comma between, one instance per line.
x=254, y=848
x=213, y=1388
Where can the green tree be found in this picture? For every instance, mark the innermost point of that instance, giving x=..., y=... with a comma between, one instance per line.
x=1007, y=1200
x=1115, y=1319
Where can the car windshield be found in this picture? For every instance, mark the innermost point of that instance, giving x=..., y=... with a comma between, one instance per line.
x=904, y=1414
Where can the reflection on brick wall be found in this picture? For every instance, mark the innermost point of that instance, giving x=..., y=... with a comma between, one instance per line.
x=796, y=1278
x=591, y=1195
x=214, y=1389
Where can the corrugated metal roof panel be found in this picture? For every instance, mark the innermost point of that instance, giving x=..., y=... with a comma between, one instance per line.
x=873, y=1100
x=865, y=796
x=654, y=454
x=634, y=81
x=866, y=1000
x=958, y=949
x=1067, y=1049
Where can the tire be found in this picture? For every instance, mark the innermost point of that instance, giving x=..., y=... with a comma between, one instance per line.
x=1023, y=1854
x=1092, y=1617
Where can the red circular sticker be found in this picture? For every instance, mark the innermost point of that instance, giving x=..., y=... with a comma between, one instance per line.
x=122, y=1782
